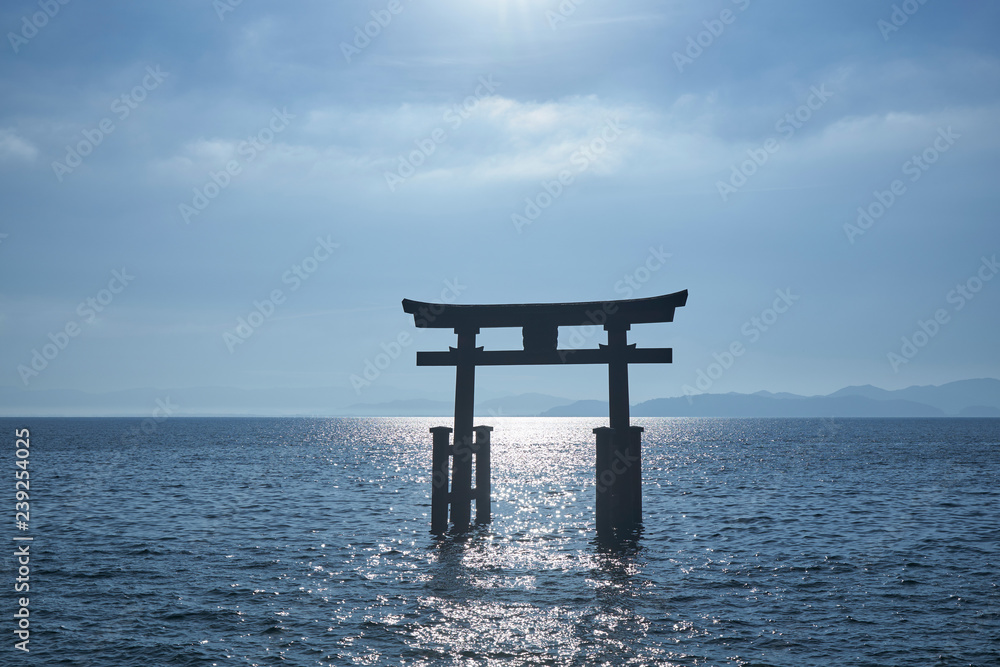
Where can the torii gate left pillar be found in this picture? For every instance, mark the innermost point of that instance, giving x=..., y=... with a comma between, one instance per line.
x=465, y=399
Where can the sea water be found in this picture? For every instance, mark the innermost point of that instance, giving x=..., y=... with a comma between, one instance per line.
x=306, y=541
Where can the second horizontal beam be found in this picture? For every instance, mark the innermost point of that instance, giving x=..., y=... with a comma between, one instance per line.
x=604, y=355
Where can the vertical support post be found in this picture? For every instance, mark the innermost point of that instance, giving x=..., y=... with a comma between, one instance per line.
x=465, y=390
x=440, y=458
x=484, y=511
x=618, y=417
x=606, y=482
x=618, y=407
x=634, y=473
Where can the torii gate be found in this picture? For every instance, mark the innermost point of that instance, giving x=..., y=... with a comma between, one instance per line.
x=619, y=478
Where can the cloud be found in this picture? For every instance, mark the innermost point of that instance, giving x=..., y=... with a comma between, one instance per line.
x=482, y=140
x=497, y=139
x=14, y=147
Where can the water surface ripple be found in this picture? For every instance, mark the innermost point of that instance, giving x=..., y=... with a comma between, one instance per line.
x=794, y=542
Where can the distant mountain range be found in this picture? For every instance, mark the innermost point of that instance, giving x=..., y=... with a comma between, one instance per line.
x=964, y=398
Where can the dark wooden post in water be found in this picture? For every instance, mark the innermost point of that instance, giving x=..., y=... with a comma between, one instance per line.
x=619, y=466
x=634, y=474
x=618, y=478
x=604, y=506
x=484, y=510
x=440, y=458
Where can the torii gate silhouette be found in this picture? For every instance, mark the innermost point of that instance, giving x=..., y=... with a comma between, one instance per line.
x=619, y=477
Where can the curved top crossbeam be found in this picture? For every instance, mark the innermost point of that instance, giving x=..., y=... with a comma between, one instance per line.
x=614, y=313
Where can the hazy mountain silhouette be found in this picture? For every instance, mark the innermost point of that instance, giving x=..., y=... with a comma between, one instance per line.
x=749, y=405
x=741, y=405
x=966, y=398
x=951, y=397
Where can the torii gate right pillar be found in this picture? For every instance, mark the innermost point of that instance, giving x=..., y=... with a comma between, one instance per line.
x=619, y=458
x=618, y=377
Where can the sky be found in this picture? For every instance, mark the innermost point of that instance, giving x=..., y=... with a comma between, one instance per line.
x=239, y=194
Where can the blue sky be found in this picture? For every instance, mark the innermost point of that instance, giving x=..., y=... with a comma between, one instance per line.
x=205, y=150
